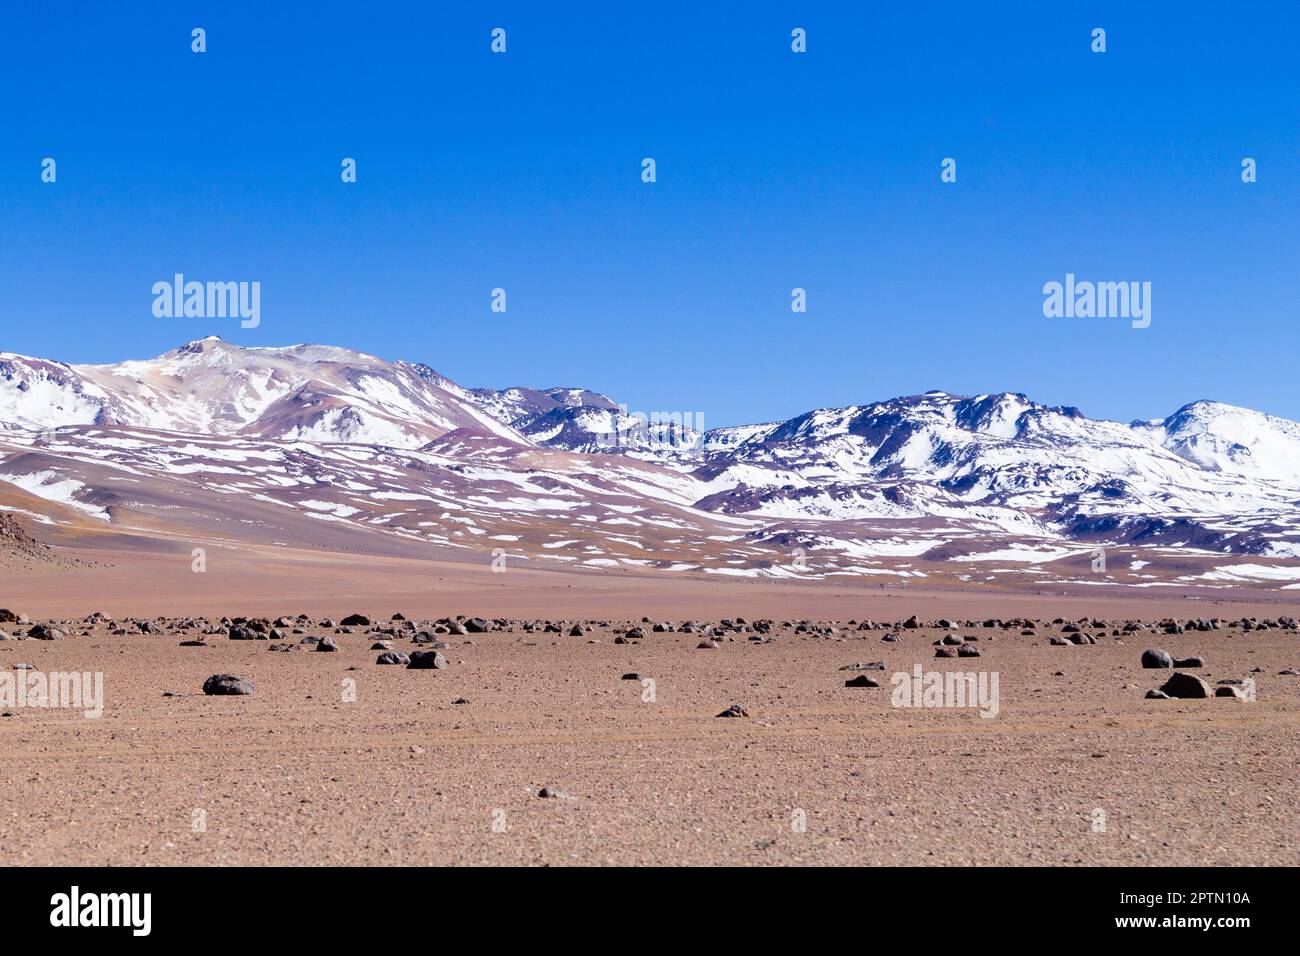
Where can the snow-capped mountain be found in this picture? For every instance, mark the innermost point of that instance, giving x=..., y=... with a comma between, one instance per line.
x=580, y=420
x=209, y=387
x=325, y=445
x=517, y=406
x=941, y=454
x=1231, y=440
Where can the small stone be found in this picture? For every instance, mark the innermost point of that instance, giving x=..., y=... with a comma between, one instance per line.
x=862, y=680
x=735, y=710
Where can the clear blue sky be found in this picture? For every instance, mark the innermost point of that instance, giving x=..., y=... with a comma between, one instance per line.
x=775, y=170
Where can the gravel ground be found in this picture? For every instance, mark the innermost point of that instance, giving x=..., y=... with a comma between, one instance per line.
x=1078, y=767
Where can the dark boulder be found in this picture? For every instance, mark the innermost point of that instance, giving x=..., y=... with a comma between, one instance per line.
x=1156, y=658
x=227, y=685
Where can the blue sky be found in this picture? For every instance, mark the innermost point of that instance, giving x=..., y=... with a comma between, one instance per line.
x=775, y=170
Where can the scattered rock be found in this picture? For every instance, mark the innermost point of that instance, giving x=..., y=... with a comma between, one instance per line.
x=735, y=710
x=393, y=657
x=1156, y=658
x=426, y=660
x=1186, y=686
x=227, y=684
x=862, y=680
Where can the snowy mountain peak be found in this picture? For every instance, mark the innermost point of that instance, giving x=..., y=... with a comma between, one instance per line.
x=1230, y=439
x=207, y=386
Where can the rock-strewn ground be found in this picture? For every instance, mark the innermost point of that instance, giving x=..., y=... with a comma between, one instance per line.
x=335, y=758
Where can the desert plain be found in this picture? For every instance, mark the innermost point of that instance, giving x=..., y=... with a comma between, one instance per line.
x=598, y=741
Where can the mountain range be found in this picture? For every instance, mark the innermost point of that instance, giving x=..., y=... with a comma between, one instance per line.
x=317, y=446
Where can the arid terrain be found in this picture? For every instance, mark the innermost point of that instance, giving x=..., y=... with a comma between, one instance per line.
x=446, y=765
x=211, y=517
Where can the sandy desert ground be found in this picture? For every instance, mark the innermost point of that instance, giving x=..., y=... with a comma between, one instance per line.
x=1078, y=767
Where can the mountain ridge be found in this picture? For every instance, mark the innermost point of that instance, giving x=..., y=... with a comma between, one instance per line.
x=926, y=471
